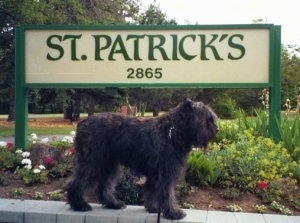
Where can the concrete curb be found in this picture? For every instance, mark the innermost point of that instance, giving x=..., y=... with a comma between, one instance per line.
x=33, y=211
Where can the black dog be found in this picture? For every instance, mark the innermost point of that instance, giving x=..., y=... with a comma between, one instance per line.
x=155, y=147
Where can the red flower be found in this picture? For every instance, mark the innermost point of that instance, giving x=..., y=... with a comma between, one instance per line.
x=263, y=185
x=48, y=160
x=72, y=150
x=9, y=145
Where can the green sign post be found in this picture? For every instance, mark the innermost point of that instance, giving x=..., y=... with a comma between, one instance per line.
x=198, y=56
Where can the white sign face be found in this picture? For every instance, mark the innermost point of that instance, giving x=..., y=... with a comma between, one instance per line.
x=147, y=56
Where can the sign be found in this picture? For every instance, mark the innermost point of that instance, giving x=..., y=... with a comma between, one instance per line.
x=147, y=56
x=215, y=56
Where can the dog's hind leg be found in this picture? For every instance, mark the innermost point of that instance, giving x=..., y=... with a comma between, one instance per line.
x=106, y=187
x=75, y=195
x=151, y=203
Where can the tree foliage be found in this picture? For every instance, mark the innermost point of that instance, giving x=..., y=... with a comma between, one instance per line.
x=16, y=12
x=153, y=15
x=290, y=62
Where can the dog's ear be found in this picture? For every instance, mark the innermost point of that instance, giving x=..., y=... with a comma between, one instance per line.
x=187, y=100
x=187, y=103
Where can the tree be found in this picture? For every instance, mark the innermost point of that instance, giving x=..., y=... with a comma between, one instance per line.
x=153, y=15
x=8, y=19
x=111, y=12
x=290, y=62
x=16, y=12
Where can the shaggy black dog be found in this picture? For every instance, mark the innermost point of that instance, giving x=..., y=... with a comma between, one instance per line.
x=155, y=147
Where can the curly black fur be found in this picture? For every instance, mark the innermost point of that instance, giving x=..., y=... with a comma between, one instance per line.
x=155, y=147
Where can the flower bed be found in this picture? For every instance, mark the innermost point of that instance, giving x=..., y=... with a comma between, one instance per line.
x=240, y=171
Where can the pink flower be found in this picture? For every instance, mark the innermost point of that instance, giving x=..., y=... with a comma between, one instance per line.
x=9, y=145
x=72, y=150
x=48, y=160
x=263, y=185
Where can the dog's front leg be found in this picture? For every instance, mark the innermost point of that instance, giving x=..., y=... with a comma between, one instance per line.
x=160, y=195
x=168, y=204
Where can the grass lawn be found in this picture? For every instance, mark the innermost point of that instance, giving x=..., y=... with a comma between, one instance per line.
x=40, y=126
x=48, y=124
x=56, y=125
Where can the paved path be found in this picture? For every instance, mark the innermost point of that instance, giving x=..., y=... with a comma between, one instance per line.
x=50, y=137
x=32, y=211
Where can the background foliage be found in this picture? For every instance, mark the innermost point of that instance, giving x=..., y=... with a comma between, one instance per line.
x=16, y=12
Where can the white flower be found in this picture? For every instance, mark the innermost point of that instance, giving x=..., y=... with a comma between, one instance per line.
x=3, y=144
x=19, y=151
x=45, y=140
x=72, y=133
x=33, y=136
x=25, y=154
x=28, y=167
x=68, y=139
x=42, y=167
x=36, y=170
x=26, y=162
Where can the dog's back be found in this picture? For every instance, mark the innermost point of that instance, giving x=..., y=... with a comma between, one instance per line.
x=120, y=138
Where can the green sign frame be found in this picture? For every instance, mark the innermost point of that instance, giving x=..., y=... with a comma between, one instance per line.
x=22, y=86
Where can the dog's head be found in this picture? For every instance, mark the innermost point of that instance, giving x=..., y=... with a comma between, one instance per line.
x=200, y=122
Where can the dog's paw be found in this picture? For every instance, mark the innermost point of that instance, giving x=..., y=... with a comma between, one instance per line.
x=151, y=209
x=174, y=214
x=115, y=205
x=81, y=207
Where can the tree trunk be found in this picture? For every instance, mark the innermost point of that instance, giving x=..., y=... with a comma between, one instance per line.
x=11, y=111
x=155, y=111
x=91, y=107
x=68, y=111
x=76, y=106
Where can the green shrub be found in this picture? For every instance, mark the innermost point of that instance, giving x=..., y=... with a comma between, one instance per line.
x=55, y=196
x=234, y=208
x=251, y=159
x=294, y=167
x=280, y=189
x=259, y=123
x=230, y=193
x=4, y=179
x=62, y=169
x=8, y=159
x=17, y=192
x=290, y=136
x=225, y=108
x=64, y=145
x=38, y=195
x=280, y=208
x=34, y=175
x=201, y=171
x=260, y=208
x=228, y=131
